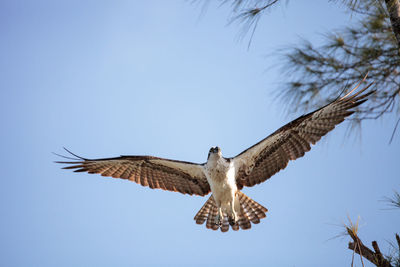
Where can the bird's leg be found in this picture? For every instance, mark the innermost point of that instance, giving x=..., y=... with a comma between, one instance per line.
x=219, y=217
x=233, y=218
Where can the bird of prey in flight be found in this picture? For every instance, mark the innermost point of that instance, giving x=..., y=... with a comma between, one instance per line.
x=225, y=177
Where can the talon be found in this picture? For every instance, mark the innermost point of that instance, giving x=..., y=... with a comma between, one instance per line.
x=233, y=219
x=218, y=220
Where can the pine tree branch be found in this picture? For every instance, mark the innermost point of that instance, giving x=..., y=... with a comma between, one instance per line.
x=393, y=7
x=374, y=257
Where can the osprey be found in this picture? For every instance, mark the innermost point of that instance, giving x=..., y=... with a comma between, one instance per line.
x=225, y=177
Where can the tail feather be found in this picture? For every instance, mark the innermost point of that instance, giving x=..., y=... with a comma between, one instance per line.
x=259, y=210
x=204, y=212
x=235, y=227
x=247, y=208
x=225, y=224
x=210, y=224
x=250, y=212
x=244, y=221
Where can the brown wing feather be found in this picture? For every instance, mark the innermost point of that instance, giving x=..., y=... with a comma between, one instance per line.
x=171, y=175
x=272, y=154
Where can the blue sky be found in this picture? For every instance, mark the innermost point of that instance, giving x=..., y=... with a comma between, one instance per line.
x=109, y=78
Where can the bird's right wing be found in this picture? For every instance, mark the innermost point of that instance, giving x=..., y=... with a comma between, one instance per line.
x=171, y=175
x=272, y=154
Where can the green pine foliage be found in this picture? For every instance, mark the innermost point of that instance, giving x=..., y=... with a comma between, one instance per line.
x=320, y=73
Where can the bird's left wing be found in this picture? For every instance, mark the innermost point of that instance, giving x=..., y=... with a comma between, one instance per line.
x=172, y=175
x=272, y=154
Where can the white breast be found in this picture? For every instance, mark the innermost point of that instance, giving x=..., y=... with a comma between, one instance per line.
x=221, y=177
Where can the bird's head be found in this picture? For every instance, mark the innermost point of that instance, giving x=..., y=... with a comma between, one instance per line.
x=215, y=151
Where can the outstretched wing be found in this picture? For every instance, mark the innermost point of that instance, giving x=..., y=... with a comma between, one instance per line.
x=171, y=175
x=272, y=154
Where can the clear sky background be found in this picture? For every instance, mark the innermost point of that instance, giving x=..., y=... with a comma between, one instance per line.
x=110, y=78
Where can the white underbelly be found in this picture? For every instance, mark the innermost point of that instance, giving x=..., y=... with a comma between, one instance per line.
x=223, y=188
x=223, y=193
